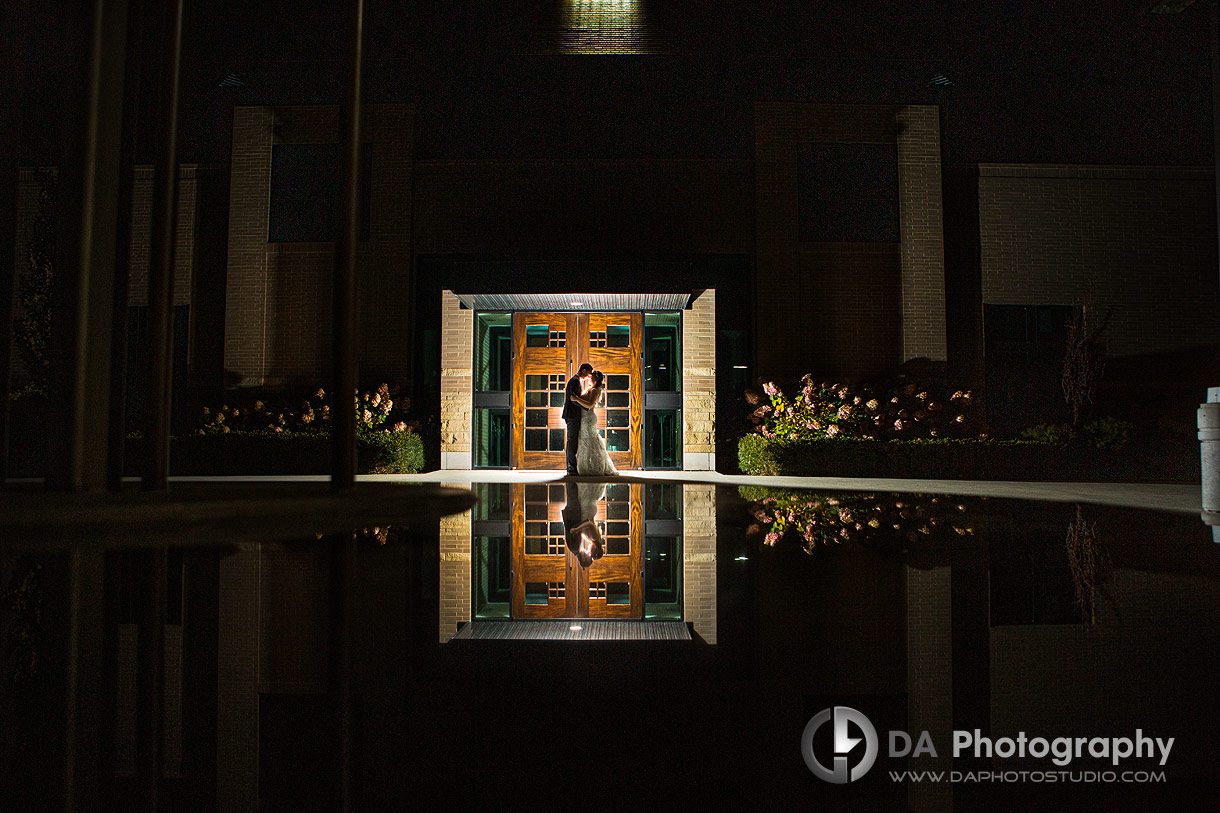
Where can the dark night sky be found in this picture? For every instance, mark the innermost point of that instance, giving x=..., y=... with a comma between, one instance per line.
x=1083, y=81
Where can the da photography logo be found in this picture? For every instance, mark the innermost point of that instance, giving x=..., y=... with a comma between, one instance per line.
x=844, y=744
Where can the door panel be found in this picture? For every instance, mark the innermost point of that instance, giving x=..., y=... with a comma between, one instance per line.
x=543, y=355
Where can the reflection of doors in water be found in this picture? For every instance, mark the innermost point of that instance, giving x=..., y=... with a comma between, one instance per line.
x=548, y=348
x=548, y=582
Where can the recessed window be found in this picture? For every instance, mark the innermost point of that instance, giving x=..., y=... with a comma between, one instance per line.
x=537, y=335
x=306, y=190
x=847, y=193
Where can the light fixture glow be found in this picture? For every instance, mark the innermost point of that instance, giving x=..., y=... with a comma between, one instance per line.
x=739, y=366
x=576, y=304
x=575, y=628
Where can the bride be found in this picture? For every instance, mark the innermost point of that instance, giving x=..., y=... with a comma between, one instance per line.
x=591, y=455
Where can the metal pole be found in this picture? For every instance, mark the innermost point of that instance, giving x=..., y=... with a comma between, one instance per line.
x=161, y=263
x=13, y=57
x=343, y=421
x=1213, y=33
x=122, y=251
x=84, y=273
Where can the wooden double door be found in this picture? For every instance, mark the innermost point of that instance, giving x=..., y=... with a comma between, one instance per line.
x=547, y=579
x=548, y=348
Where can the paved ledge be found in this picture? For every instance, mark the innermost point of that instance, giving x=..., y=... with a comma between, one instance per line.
x=1178, y=498
x=1174, y=497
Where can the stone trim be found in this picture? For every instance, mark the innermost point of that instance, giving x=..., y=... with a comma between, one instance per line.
x=699, y=559
x=457, y=383
x=455, y=577
x=699, y=383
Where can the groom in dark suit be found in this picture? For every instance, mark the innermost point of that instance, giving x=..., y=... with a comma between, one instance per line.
x=573, y=412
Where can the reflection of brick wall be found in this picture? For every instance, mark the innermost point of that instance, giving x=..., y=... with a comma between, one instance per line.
x=699, y=383
x=699, y=559
x=278, y=304
x=1140, y=240
x=457, y=381
x=455, y=544
x=930, y=679
x=1146, y=663
x=846, y=309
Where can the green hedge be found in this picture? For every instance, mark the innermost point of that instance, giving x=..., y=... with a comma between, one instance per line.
x=284, y=453
x=964, y=459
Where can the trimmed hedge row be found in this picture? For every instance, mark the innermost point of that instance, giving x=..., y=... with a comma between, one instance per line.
x=963, y=459
x=283, y=453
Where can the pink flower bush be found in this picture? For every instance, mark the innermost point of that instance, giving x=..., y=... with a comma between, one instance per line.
x=373, y=408
x=833, y=410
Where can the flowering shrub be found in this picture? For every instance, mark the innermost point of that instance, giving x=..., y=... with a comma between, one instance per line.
x=830, y=410
x=373, y=410
x=833, y=519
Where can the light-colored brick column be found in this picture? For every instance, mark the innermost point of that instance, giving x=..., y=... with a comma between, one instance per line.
x=930, y=681
x=455, y=545
x=237, y=666
x=699, y=384
x=699, y=559
x=246, y=284
x=457, y=382
x=921, y=214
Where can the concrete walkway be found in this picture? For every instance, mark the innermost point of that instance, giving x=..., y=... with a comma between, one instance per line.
x=1185, y=499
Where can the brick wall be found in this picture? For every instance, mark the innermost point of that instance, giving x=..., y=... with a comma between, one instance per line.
x=457, y=382
x=1138, y=240
x=141, y=234
x=589, y=208
x=921, y=215
x=699, y=559
x=846, y=309
x=278, y=304
x=699, y=383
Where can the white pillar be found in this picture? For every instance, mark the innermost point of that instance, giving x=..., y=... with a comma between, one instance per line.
x=1209, y=457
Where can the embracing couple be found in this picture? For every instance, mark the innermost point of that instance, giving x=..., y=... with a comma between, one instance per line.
x=586, y=451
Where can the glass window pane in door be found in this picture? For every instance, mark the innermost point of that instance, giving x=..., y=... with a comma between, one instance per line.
x=661, y=434
x=662, y=352
x=493, y=352
x=492, y=576
x=491, y=438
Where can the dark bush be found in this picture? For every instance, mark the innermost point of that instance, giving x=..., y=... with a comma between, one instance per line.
x=964, y=459
x=283, y=453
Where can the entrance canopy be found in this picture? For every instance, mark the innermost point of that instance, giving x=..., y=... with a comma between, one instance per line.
x=575, y=302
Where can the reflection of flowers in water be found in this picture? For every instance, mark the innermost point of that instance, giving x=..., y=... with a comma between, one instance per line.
x=821, y=519
x=377, y=533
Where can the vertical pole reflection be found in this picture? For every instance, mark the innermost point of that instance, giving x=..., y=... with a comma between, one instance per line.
x=343, y=574
x=601, y=27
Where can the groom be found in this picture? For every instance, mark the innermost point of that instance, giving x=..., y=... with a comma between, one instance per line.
x=572, y=411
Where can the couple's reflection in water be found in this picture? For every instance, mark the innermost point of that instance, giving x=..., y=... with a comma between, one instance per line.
x=583, y=534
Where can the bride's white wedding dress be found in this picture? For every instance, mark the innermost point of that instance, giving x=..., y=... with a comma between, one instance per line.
x=591, y=455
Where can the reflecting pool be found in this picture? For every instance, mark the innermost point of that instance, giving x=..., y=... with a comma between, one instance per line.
x=630, y=643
